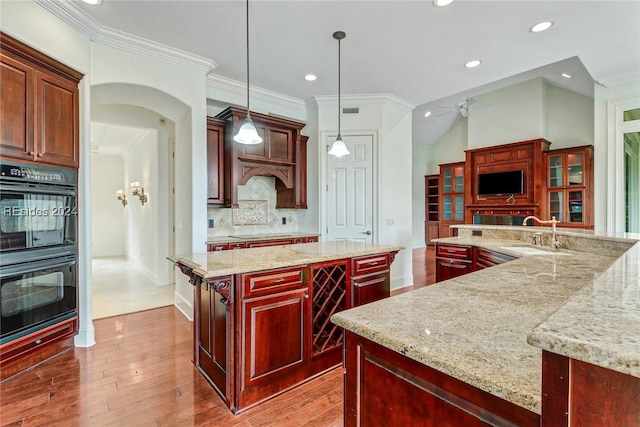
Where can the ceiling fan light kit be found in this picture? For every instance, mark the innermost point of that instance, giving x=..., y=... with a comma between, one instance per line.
x=247, y=134
x=339, y=148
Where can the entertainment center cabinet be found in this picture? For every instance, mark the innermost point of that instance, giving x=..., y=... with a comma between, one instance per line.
x=484, y=189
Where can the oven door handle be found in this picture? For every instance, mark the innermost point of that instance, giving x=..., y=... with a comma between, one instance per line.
x=32, y=267
x=37, y=190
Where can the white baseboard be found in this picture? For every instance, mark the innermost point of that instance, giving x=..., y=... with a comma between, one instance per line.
x=86, y=337
x=401, y=282
x=143, y=268
x=184, y=306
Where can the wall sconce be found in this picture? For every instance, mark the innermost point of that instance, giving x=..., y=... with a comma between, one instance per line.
x=122, y=197
x=137, y=190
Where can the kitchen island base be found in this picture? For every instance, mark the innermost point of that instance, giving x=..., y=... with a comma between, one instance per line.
x=260, y=332
x=381, y=384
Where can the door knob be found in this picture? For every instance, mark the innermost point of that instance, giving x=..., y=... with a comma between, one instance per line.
x=368, y=232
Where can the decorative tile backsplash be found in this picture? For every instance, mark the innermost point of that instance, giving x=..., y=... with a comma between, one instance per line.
x=250, y=212
x=257, y=213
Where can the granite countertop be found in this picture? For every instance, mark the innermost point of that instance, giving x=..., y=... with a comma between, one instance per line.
x=483, y=328
x=222, y=263
x=236, y=238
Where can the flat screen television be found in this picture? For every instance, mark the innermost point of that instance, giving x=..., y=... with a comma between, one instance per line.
x=499, y=183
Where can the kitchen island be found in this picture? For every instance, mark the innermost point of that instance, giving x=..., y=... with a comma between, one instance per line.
x=467, y=351
x=261, y=315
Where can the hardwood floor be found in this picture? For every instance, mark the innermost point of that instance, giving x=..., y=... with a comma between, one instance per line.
x=140, y=374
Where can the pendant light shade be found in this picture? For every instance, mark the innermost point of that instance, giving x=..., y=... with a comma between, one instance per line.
x=338, y=148
x=247, y=134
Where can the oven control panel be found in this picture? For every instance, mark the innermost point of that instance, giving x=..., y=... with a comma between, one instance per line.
x=37, y=174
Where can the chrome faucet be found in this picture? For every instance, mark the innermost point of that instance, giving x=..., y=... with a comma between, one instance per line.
x=555, y=243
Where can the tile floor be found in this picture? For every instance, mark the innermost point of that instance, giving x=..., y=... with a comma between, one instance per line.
x=120, y=286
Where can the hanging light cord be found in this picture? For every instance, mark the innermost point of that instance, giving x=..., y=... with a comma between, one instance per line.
x=248, y=109
x=339, y=136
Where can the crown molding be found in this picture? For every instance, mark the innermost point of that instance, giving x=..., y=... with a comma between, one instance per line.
x=216, y=82
x=366, y=99
x=75, y=17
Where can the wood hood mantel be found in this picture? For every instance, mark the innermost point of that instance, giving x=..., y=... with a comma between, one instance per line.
x=282, y=154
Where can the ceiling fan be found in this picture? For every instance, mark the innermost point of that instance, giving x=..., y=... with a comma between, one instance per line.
x=463, y=107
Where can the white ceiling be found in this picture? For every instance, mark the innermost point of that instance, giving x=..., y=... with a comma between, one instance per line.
x=410, y=49
x=114, y=139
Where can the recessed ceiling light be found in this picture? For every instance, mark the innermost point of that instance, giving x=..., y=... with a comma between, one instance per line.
x=442, y=3
x=310, y=77
x=473, y=64
x=566, y=76
x=541, y=26
x=94, y=2
x=427, y=114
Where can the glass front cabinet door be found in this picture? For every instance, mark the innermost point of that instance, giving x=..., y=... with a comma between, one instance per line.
x=569, y=186
x=451, y=195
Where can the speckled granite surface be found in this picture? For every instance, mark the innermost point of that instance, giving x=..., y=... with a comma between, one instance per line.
x=475, y=327
x=214, y=264
x=251, y=237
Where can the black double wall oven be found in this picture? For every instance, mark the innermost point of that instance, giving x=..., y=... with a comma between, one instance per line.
x=38, y=251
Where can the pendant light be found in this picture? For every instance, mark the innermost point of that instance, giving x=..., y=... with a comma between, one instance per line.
x=338, y=148
x=247, y=134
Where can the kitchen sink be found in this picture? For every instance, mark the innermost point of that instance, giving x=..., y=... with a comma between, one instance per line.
x=525, y=250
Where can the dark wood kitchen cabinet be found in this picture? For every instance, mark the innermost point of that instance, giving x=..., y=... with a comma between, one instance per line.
x=381, y=384
x=39, y=106
x=370, y=278
x=431, y=208
x=453, y=261
x=484, y=258
x=452, y=187
x=569, y=186
x=275, y=308
x=211, y=333
x=282, y=155
x=270, y=330
x=215, y=162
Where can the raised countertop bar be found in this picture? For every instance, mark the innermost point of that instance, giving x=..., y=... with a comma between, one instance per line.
x=216, y=264
x=251, y=237
x=483, y=328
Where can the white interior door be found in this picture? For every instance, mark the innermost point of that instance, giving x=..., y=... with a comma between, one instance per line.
x=350, y=191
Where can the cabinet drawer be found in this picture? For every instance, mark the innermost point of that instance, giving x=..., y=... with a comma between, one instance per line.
x=454, y=251
x=262, y=243
x=233, y=246
x=32, y=342
x=273, y=281
x=487, y=258
x=217, y=247
x=369, y=264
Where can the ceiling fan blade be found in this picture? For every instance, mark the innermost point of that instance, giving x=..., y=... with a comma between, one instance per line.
x=444, y=114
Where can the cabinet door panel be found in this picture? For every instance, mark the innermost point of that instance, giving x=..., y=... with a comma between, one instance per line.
x=213, y=336
x=448, y=269
x=280, y=145
x=274, y=336
x=56, y=119
x=215, y=163
x=16, y=109
x=370, y=288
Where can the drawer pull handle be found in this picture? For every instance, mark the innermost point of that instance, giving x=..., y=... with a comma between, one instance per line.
x=374, y=263
x=37, y=342
x=280, y=280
